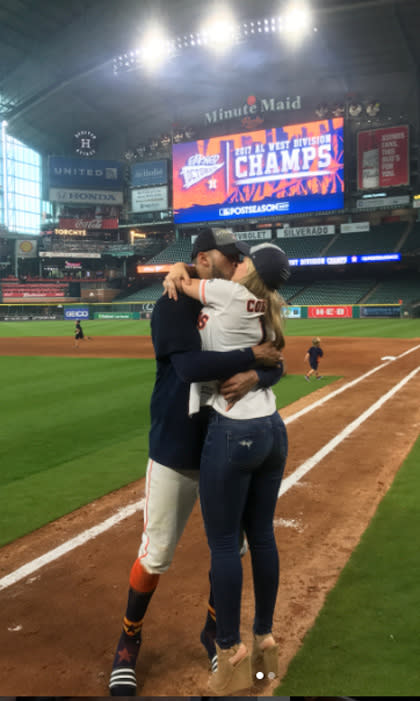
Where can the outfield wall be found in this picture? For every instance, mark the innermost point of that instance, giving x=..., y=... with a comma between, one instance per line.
x=143, y=310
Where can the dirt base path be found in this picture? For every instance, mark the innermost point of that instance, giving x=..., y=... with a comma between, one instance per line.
x=59, y=627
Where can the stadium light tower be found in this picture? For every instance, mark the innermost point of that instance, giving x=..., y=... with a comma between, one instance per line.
x=220, y=31
x=156, y=48
x=297, y=20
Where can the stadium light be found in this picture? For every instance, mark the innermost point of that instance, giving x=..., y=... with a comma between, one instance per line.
x=296, y=20
x=220, y=31
x=155, y=49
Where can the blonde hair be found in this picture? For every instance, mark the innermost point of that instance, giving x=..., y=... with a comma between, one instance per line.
x=274, y=302
x=316, y=341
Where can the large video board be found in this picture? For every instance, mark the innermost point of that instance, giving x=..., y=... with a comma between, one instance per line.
x=286, y=170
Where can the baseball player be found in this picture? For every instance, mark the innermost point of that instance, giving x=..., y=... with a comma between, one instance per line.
x=78, y=334
x=313, y=356
x=240, y=477
x=175, y=442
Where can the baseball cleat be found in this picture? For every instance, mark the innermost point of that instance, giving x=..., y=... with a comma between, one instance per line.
x=307, y=379
x=320, y=377
x=123, y=682
x=208, y=641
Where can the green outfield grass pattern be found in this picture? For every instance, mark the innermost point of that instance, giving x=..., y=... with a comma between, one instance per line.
x=365, y=641
x=71, y=430
x=74, y=429
x=97, y=327
x=381, y=328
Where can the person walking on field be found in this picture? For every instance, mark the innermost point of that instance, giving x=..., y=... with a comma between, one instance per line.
x=176, y=440
x=313, y=356
x=242, y=461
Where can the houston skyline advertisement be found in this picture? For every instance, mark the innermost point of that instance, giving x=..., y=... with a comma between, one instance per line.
x=283, y=170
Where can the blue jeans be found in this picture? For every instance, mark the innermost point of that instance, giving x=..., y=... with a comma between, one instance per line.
x=241, y=468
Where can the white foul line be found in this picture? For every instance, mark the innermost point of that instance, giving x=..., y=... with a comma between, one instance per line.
x=303, y=469
x=287, y=483
x=329, y=396
x=71, y=544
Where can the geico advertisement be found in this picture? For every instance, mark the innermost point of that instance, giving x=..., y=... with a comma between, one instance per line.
x=76, y=313
x=291, y=169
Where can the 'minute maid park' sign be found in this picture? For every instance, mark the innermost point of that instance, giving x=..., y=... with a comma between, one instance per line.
x=252, y=111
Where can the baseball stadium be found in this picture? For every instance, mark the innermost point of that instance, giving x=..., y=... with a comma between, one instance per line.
x=127, y=132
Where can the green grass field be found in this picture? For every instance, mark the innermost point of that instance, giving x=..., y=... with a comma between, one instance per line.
x=74, y=429
x=365, y=641
x=381, y=328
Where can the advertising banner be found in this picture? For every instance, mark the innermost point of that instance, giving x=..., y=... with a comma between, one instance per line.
x=116, y=315
x=354, y=227
x=292, y=312
x=68, y=254
x=66, y=172
x=29, y=291
x=383, y=158
x=283, y=170
x=296, y=231
x=384, y=202
x=76, y=313
x=146, y=307
x=380, y=311
x=260, y=235
x=82, y=223
x=332, y=312
x=26, y=249
x=164, y=268
x=149, y=173
x=85, y=196
x=150, y=199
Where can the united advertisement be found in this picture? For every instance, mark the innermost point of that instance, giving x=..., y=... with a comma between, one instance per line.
x=285, y=170
x=67, y=172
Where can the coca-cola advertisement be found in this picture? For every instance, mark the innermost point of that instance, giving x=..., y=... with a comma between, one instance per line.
x=84, y=223
x=100, y=217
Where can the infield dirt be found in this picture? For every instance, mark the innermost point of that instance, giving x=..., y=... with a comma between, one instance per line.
x=59, y=627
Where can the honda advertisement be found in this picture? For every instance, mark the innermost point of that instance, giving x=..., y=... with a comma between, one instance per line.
x=284, y=170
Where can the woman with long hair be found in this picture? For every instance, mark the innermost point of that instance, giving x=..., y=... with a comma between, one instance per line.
x=242, y=461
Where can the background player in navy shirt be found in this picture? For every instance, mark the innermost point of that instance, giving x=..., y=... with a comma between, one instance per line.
x=175, y=442
x=313, y=356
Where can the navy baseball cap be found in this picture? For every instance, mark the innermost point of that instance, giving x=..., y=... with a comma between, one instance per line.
x=270, y=261
x=221, y=240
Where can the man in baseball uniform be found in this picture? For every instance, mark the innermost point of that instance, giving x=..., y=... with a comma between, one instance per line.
x=176, y=439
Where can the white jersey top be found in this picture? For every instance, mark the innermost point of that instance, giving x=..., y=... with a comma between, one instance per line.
x=231, y=319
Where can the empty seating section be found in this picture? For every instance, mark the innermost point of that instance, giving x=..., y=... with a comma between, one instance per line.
x=334, y=292
x=391, y=291
x=380, y=239
x=180, y=250
x=289, y=291
x=304, y=246
x=412, y=243
x=147, y=294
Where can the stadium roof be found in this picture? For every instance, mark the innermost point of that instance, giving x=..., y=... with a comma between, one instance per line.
x=56, y=65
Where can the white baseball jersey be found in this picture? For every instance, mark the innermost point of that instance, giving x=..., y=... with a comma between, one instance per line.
x=231, y=319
